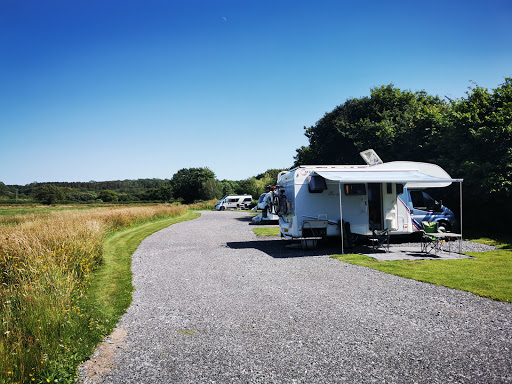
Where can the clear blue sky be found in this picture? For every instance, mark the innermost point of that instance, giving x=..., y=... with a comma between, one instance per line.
x=108, y=90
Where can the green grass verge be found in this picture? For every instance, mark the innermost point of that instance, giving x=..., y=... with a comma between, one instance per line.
x=108, y=297
x=267, y=231
x=489, y=274
x=112, y=287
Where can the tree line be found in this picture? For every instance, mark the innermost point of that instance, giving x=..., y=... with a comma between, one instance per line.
x=187, y=186
x=469, y=137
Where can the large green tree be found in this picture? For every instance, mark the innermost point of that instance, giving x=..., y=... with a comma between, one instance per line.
x=269, y=177
x=398, y=124
x=251, y=186
x=477, y=145
x=211, y=189
x=187, y=184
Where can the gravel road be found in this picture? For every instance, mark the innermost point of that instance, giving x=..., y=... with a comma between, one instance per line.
x=215, y=304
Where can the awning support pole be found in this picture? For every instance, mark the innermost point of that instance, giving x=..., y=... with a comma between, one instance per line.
x=341, y=222
x=460, y=183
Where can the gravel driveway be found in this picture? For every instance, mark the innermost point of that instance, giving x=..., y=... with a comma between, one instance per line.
x=215, y=304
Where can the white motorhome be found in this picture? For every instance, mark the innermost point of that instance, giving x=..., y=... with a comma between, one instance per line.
x=312, y=200
x=234, y=202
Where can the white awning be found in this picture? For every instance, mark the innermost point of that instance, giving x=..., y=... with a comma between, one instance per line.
x=384, y=176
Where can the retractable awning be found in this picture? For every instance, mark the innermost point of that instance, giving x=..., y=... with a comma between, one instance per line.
x=408, y=177
x=384, y=176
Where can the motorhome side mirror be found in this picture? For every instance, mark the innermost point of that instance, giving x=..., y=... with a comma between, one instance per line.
x=412, y=211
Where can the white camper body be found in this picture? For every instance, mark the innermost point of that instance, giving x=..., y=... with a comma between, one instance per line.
x=313, y=200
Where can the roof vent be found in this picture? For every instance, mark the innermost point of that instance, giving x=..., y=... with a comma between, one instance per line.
x=371, y=157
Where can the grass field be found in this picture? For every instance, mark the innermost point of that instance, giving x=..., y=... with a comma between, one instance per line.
x=64, y=281
x=10, y=210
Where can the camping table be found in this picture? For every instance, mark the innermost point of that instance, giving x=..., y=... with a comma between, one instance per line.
x=448, y=236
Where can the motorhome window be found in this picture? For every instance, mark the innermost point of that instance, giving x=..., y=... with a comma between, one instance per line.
x=316, y=184
x=247, y=199
x=389, y=188
x=355, y=189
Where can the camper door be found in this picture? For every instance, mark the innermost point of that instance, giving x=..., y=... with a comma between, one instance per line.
x=382, y=206
x=355, y=207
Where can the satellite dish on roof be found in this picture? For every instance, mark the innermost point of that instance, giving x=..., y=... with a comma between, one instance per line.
x=371, y=157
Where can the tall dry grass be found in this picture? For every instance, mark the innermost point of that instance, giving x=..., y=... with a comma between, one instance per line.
x=46, y=265
x=204, y=205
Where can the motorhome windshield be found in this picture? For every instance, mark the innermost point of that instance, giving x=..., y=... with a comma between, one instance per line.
x=422, y=200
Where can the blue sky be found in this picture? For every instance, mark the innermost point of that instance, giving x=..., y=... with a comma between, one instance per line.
x=112, y=90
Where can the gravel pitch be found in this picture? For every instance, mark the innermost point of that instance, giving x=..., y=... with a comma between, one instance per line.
x=215, y=304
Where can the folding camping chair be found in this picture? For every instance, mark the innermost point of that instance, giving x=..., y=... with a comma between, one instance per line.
x=430, y=242
x=380, y=239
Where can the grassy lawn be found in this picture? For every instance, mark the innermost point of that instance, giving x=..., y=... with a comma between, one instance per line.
x=489, y=274
x=267, y=231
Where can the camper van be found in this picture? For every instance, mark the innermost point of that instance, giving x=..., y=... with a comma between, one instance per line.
x=423, y=207
x=234, y=202
x=312, y=201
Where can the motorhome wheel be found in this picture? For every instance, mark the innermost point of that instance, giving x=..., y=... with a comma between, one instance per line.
x=222, y=208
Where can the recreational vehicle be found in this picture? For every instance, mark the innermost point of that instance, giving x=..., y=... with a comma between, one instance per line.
x=313, y=201
x=266, y=216
x=234, y=202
